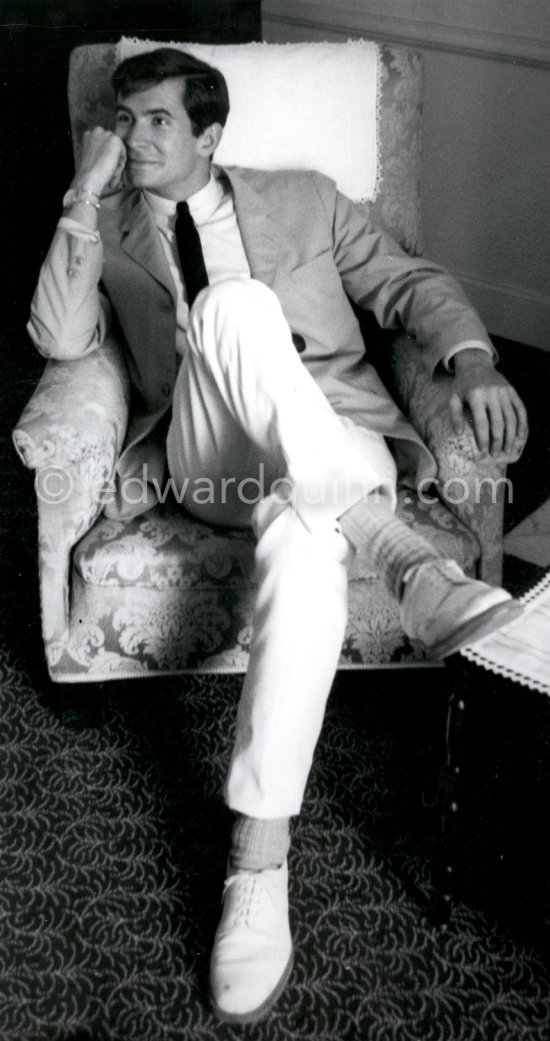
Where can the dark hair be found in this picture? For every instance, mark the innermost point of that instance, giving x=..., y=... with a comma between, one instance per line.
x=205, y=96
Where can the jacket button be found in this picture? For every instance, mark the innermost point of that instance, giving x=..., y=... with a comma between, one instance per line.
x=299, y=342
x=165, y=390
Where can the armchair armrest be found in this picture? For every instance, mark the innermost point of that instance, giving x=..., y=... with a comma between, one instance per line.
x=473, y=488
x=71, y=433
x=78, y=409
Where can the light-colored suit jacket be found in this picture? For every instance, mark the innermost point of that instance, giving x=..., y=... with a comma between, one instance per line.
x=304, y=240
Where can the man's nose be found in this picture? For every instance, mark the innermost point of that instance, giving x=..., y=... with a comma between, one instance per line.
x=133, y=135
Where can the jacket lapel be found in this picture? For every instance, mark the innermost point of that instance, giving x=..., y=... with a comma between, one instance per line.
x=142, y=242
x=265, y=242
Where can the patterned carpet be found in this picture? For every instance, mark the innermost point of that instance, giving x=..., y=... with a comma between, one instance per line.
x=113, y=860
x=114, y=844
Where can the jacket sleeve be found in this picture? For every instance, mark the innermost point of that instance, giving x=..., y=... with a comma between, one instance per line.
x=70, y=316
x=403, y=292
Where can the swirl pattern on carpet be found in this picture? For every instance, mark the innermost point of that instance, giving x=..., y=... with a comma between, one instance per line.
x=113, y=860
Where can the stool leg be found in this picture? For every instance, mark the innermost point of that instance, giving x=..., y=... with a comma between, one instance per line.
x=449, y=794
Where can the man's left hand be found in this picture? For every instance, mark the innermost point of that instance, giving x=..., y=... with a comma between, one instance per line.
x=495, y=409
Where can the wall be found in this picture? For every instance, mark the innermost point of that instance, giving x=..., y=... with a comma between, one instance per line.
x=485, y=195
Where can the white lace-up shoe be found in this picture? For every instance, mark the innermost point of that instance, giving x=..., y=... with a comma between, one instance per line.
x=252, y=954
x=442, y=609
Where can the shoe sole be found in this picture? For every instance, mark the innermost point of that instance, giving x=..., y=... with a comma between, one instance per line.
x=261, y=1010
x=474, y=629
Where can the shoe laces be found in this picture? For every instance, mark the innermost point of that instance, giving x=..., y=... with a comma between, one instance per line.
x=247, y=893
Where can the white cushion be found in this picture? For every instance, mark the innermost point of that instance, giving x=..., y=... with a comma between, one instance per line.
x=309, y=106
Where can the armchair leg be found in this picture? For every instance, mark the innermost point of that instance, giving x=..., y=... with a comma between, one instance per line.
x=79, y=706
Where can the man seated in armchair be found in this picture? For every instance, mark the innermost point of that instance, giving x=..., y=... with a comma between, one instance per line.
x=230, y=290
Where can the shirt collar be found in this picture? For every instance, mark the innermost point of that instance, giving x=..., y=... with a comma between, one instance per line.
x=202, y=204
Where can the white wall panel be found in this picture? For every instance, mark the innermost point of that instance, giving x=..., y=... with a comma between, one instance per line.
x=486, y=164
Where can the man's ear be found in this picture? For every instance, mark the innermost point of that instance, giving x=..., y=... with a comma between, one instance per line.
x=209, y=140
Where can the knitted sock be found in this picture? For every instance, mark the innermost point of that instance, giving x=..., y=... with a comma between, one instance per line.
x=387, y=542
x=258, y=844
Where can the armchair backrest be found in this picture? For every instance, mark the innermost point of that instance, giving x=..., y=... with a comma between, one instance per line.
x=397, y=103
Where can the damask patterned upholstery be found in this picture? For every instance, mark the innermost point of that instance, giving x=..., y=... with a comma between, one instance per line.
x=165, y=593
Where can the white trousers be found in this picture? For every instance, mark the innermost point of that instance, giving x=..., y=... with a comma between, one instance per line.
x=253, y=441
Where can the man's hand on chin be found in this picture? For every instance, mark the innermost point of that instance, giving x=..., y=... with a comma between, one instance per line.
x=494, y=408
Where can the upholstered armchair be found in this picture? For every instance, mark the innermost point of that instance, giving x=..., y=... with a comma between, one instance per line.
x=164, y=593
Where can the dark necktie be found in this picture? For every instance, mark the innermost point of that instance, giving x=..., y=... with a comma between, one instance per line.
x=190, y=253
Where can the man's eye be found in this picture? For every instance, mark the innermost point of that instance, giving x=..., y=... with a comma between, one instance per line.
x=159, y=121
x=122, y=117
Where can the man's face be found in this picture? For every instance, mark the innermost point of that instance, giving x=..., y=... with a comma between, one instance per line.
x=162, y=153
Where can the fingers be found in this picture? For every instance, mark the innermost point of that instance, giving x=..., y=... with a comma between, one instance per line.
x=457, y=413
x=521, y=413
x=497, y=426
x=103, y=154
x=97, y=139
x=478, y=406
x=522, y=426
x=499, y=420
x=510, y=425
x=116, y=179
x=495, y=409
